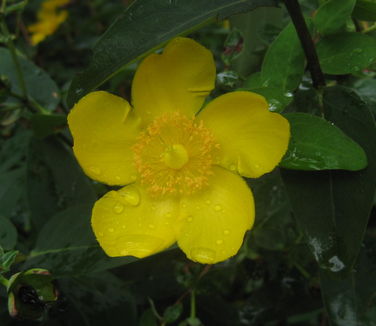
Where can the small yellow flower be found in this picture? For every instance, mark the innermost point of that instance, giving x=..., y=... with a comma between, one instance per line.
x=49, y=19
x=180, y=166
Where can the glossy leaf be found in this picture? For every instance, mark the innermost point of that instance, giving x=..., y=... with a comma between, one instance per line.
x=332, y=207
x=132, y=36
x=346, y=53
x=365, y=10
x=284, y=62
x=39, y=85
x=316, y=144
x=332, y=15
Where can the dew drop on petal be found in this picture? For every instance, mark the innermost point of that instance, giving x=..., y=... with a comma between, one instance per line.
x=95, y=170
x=111, y=230
x=208, y=202
x=226, y=232
x=219, y=242
x=151, y=226
x=118, y=208
x=189, y=218
x=217, y=208
x=203, y=255
x=131, y=196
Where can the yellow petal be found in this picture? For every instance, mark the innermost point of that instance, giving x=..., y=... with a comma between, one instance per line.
x=213, y=221
x=253, y=140
x=177, y=80
x=130, y=223
x=104, y=130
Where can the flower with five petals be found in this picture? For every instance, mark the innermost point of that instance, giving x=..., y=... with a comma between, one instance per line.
x=180, y=166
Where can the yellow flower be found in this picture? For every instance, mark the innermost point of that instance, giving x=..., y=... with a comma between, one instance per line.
x=180, y=166
x=49, y=19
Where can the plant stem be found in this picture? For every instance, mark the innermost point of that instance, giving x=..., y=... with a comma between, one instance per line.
x=369, y=29
x=4, y=281
x=193, y=304
x=313, y=63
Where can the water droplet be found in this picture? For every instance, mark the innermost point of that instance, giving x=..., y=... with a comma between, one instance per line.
x=217, y=208
x=208, y=202
x=189, y=218
x=203, y=255
x=118, y=208
x=95, y=170
x=130, y=195
x=232, y=167
x=133, y=177
x=356, y=68
x=226, y=232
x=219, y=242
x=111, y=230
x=151, y=226
x=117, y=178
x=336, y=264
x=358, y=50
x=123, y=226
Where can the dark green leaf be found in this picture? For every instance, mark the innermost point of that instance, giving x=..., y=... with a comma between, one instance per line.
x=145, y=26
x=365, y=10
x=172, y=313
x=316, y=144
x=39, y=85
x=332, y=15
x=8, y=234
x=47, y=124
x=7, y=259
x=284, y=62
x=55, y=181
x=15, y=7
x=332, y=208
x=346, y=53
x=148, y=318
x=256, y=27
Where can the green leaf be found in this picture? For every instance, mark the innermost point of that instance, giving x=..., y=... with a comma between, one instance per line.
x=38, y=83
x=145, y=26
x=284, y=62
x=47, y=124
x=172, y=313
x=257, y=27
x=316, y=144
x=66, y=245
x=7, y=259
x=54, y=180
x=332, y=207
x=346, y=53
x=348, y=299
x=365, y=10
x=331, y=17
x=8, y=234
x=19, y=6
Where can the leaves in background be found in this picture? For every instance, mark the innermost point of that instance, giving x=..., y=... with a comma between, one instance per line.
x=316, y=144
x=8, y=234
x=365, y=10
x=39, y=85
x=332, y=15
x=145, y=26
x=332, y=208
x=346, y=53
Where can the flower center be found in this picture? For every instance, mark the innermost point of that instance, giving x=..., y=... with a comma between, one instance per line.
x=175, y=155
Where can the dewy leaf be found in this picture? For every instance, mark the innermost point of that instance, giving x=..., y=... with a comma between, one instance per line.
x=332, y=15
x=332, y=207
x=284, y=62
x=346, y=53
x=145, y=26
x=316, y=144
x=38, y=83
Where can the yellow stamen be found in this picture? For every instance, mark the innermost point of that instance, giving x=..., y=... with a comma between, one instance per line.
x=175, y=155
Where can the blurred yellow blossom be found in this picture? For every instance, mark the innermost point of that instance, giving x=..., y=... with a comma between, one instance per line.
x=181, y=166
x=49, y=19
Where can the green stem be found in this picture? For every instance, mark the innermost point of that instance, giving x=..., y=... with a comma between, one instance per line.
x=3, y=6
x=369, y=29
x=4, y=281
x=193, y=304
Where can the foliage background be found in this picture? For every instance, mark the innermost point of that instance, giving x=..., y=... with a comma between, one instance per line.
x=309, y=260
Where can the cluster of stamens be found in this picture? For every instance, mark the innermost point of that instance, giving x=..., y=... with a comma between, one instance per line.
x=174, y=155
